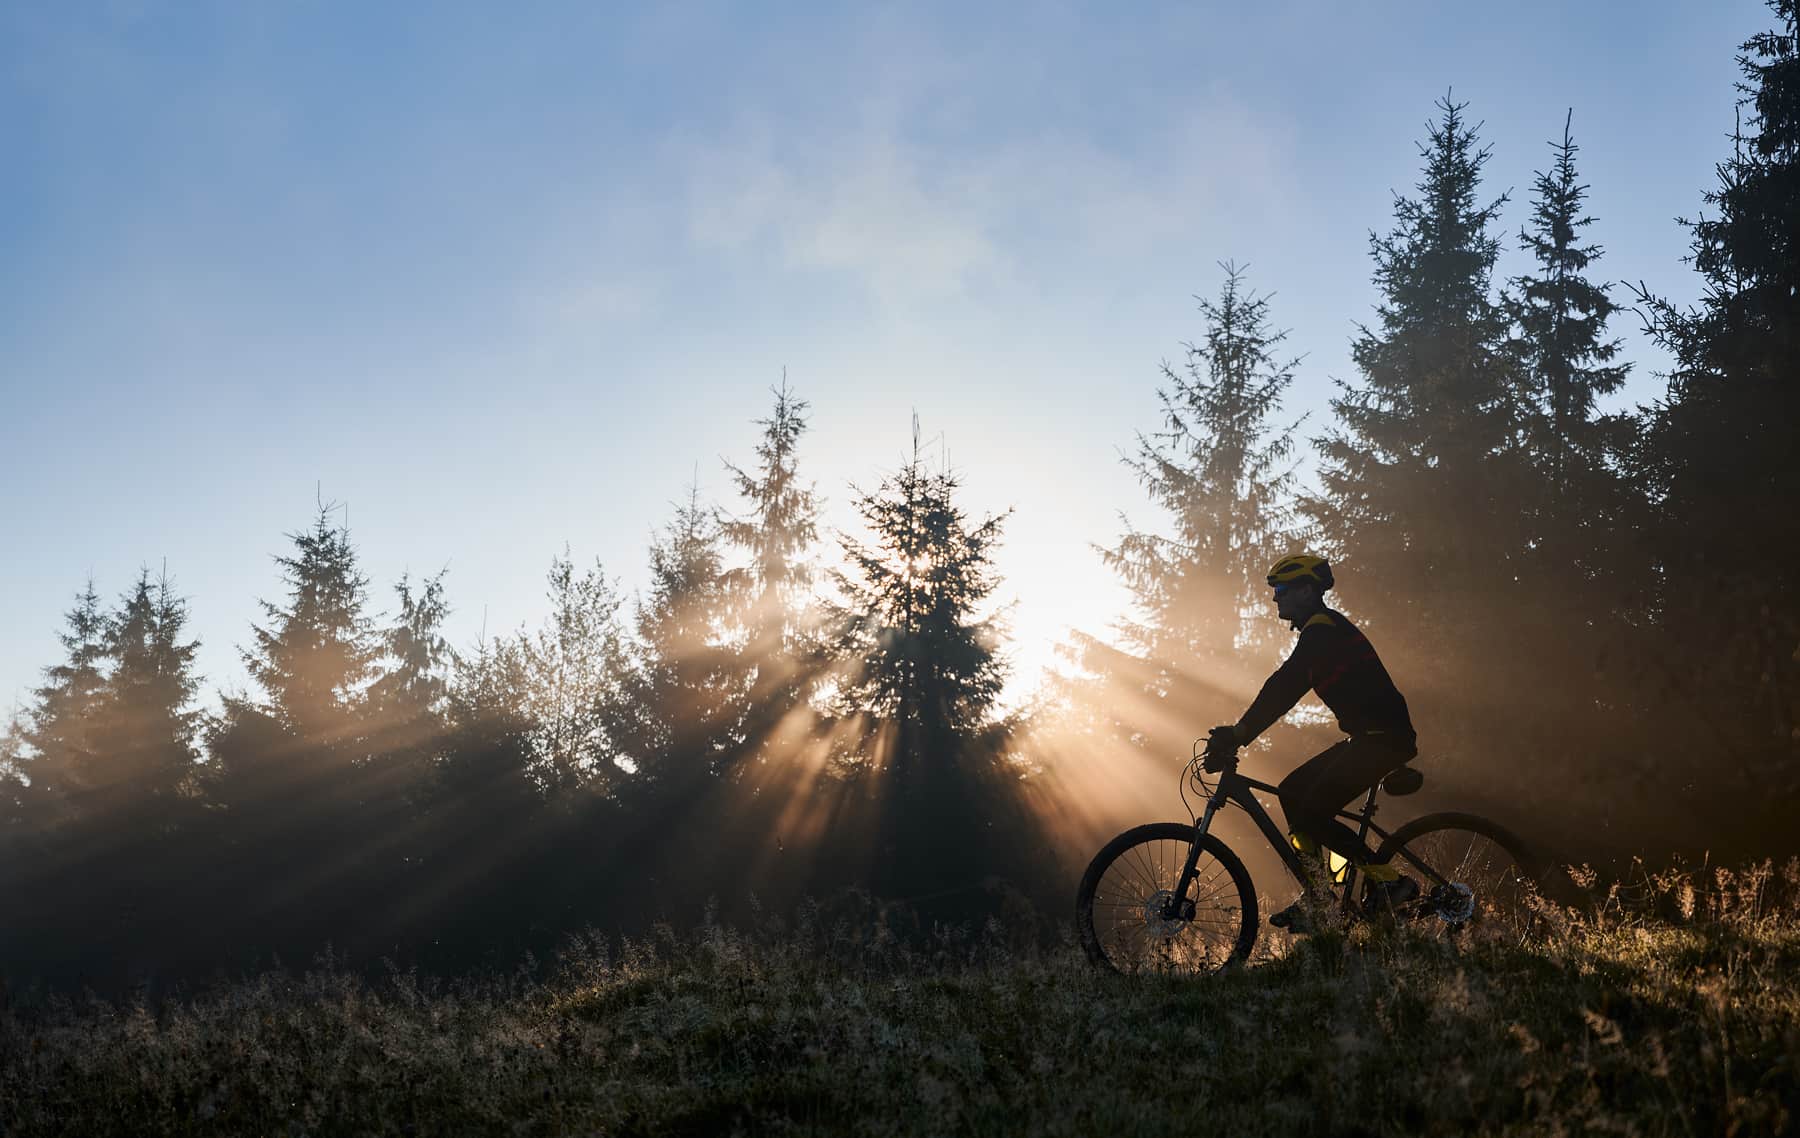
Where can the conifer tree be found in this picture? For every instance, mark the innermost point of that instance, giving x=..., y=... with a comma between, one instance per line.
x=1582, y=515
x=66, y=713
x=16, y=798
x=25, y=838
x=917, y=650
x=1561, y=317
x=291, y=770
x=316, y=655
x=415, y=679
x=685, y=692
x=1218, y=470
x=147, y=740
x=1720, y=449
x=1421, y=474
x=406, y=726
x=771, y=590
x=490, y=747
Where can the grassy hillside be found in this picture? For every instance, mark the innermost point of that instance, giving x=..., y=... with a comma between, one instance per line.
x=1687, y=1023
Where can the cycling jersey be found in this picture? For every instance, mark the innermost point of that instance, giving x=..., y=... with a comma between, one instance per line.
x=1334, y=659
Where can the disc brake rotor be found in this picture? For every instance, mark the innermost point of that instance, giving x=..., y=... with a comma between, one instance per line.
x=1155, y=908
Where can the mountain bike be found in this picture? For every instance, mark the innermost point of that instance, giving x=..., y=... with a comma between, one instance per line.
x=1172, y=897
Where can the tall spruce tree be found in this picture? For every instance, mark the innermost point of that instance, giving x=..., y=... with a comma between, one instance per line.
x=771, y=589
x=917, y=643
x=1719, y=451
x=486, y=770
x=406, y=710
x=1219, y=470
x=147, y=738
x=66, y=713
x=1561, y=318
x=316, y=655
x=19, y=815
x=16, y=798
x=290, y=770
x=1582, y=517
x=685, y=693
x=414, y=678
x=1422, y=476
x=917, y=649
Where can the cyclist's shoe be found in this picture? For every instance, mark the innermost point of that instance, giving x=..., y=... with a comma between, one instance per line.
x=1386, y=896
x=1296, y=918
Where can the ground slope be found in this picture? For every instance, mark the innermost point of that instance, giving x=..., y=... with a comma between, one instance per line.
x=1687, y=1023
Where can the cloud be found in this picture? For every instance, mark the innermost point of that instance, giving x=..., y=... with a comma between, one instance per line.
x=913, y=221
x=864, y=204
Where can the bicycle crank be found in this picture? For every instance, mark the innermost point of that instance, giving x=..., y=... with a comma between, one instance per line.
x=1453, y=903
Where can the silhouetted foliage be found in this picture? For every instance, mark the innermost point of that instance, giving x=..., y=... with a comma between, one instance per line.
x=563, y=680
x=1428, y=481
x=63, y=759
x=918, y=669
x=1561, y=317
x=145, y=732
x=684, y=698
x=415, y=681
x=1719, y=454
x=916, y=650
x=1582, y=511
x=1219, y=470
x=771, y=592
x=308, y=806
x=1419, y=495
x=15, y=788
x=316, y=656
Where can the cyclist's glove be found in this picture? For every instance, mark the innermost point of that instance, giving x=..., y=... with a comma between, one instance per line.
x=1221, y=748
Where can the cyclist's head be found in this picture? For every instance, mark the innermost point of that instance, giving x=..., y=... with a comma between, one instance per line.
x=1300, y=569
x=1299, y=581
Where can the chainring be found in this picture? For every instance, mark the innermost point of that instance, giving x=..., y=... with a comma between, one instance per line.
x=1453, y=903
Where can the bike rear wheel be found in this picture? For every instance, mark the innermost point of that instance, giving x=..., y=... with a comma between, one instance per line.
x=1131, y=922
x=1476, y=878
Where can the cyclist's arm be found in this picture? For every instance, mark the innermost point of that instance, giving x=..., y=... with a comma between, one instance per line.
x=1281, y=691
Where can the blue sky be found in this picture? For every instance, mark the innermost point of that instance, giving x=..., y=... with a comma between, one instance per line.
x=501, y=277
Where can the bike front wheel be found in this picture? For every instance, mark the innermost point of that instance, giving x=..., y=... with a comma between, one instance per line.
x=1131, y=920
x=1476, y=878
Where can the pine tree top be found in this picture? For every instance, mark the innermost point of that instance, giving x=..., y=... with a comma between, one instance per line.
x=317, y=652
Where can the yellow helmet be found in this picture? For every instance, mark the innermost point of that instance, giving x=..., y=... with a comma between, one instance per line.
x=1296, y=568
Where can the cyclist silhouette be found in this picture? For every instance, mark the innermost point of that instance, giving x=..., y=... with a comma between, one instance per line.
x=1333, y=658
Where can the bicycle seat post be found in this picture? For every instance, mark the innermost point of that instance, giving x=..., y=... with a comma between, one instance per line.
x=1368, y=813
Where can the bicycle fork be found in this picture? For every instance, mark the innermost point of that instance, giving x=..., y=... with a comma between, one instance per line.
x=1178, y=906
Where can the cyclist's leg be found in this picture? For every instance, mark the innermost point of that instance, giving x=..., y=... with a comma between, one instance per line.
x=1296, y=791
x=1316, y=790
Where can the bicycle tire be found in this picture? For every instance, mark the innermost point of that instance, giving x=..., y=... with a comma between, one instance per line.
x=1451, y=849
x=1113, y=905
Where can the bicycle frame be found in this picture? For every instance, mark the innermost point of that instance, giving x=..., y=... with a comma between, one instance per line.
x=1237, y=789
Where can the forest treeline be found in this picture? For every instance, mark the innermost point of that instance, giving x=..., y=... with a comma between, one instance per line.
x=1592, y=614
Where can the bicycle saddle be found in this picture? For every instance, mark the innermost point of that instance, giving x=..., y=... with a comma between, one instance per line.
x=1405, y=780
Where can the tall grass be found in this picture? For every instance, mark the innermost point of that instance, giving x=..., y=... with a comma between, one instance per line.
x=1671, y=1007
